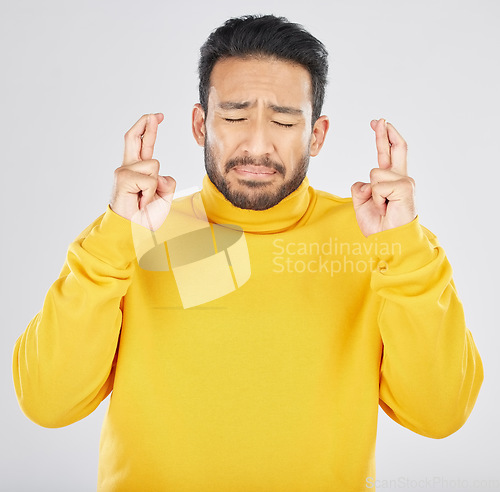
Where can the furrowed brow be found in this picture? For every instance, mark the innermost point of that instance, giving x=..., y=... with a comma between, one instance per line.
x=286, y=110
x=227, y=105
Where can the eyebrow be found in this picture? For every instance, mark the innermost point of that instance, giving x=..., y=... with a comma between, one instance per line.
x=228, y=105
x=286, y=110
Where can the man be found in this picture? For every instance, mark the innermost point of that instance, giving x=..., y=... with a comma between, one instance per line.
x=249, y=332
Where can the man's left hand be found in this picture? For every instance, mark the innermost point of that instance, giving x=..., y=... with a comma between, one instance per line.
x=388, y=200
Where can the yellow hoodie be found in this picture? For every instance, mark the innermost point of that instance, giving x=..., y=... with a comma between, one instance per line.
x=254, y=364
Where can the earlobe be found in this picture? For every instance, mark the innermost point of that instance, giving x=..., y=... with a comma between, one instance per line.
x=320, y=129
x=198, y=124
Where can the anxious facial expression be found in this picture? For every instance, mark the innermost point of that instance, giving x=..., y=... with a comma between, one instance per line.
x=257, y=132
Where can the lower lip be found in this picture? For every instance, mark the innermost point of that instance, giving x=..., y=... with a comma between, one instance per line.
x=253, y=175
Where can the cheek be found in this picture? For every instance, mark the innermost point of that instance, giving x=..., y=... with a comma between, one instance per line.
x=293, y=149
x=219, y=141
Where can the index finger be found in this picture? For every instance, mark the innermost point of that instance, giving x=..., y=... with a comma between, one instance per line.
x=140, y=139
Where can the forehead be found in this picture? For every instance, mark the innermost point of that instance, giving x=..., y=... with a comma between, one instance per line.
x=248, y=79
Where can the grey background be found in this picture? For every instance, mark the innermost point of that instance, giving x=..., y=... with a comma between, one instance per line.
x=76, y=75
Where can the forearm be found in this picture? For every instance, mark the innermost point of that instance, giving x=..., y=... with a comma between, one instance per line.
x=431, y=370
x=63, y=362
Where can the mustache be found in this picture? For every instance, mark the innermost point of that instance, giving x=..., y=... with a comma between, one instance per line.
x=250, y=161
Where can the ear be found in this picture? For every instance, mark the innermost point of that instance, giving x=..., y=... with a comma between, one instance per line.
x=198, y=124
x=320, y=129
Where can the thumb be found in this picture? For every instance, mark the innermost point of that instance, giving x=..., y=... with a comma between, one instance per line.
x=166, y=187
x=361, y=193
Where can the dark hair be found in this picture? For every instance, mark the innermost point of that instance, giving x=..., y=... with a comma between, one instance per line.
x=265, y=35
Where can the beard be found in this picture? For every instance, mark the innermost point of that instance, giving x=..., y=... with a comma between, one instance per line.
x=255, y=195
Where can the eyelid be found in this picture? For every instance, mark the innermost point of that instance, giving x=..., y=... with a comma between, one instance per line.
x=284, y=125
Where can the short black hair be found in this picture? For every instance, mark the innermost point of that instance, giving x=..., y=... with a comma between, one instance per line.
x=265, y=35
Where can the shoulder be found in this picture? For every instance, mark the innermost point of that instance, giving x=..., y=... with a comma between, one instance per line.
x=331, y=199
x=334, y=213
x=329, y=203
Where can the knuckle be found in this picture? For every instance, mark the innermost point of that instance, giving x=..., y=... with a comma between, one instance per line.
x=410, y=183
x=118, y=172
x=121, y=174
x=155, y=164
x=374, y=174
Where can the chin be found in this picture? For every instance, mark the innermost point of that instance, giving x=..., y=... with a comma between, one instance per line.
x=255, y=195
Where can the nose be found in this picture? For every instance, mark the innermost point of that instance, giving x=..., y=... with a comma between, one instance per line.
x=258, y=140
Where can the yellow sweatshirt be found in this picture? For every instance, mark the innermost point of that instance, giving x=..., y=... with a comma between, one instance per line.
x=273, y=383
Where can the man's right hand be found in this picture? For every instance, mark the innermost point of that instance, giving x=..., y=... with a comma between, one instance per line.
x=140, y=194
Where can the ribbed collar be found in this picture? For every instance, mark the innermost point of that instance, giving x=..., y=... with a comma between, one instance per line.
x=284, y=215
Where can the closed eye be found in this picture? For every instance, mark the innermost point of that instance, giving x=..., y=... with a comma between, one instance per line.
x=284, y=125
x=236, y=120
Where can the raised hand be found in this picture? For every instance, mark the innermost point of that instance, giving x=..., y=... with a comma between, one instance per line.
x=388, y=200
x=140, y=194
